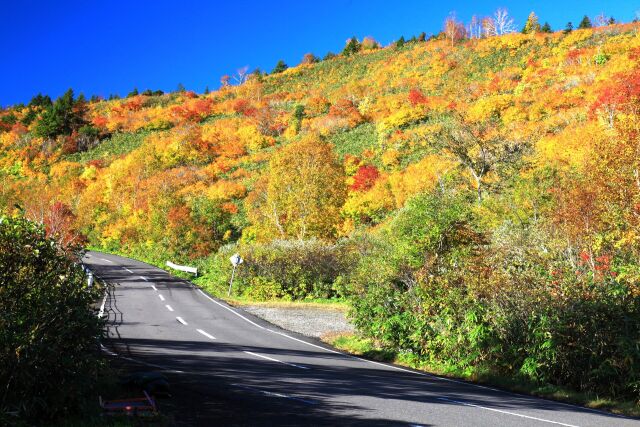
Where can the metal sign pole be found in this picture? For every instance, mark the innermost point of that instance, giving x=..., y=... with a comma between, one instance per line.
x=231, y=281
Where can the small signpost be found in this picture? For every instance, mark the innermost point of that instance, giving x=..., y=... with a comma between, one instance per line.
x=236, y=260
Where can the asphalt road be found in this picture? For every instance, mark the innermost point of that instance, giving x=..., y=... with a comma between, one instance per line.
x=228, y=367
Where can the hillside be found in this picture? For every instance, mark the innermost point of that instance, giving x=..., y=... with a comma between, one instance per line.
x=480, y=199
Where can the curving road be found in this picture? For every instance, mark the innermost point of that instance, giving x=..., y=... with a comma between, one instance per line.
x=227, y=367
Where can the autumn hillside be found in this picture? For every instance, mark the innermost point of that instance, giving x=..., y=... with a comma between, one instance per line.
x=480, y=197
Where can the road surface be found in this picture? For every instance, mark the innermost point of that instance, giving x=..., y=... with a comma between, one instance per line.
x=228, y=367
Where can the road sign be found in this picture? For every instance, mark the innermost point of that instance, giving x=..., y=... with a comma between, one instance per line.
x=236, y=260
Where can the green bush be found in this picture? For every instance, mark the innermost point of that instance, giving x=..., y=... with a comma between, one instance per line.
x=290, y=269
x=433, y=286
x=48, y=330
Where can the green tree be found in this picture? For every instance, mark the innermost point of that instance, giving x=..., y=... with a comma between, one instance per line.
x=328, y=56
x=298, y=115
x=280, y=67
x=352, y=47
x=532, y=25
x=568, y=28
x=585, y=23
x=48, y=329
x=206, y=90
x=400, y=43
x=546, y=28
x=63, y=117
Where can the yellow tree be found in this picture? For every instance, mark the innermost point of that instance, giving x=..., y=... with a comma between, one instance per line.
x=306, y=190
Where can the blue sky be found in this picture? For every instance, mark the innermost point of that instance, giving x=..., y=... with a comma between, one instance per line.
x=111, y=46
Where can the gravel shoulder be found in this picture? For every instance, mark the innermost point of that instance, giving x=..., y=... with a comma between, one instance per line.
x=312, y=321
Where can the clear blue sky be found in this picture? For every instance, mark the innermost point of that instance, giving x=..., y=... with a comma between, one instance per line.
x=110, y=46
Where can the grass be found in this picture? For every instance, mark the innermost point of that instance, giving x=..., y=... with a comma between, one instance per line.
x=356, y=140
x=367, y=348
x=117, y=144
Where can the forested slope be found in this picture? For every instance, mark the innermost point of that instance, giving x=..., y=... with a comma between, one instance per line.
x=479, y=199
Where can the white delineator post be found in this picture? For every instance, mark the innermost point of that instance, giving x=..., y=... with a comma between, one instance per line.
x=236, y=260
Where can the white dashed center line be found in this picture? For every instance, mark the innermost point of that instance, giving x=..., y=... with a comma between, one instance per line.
x=127, y=269
x=206, y=334
x=275, y=360
x=154, y=287
x=169, y=307
x=144, y=278
x=161, y=297
x=106, y=260
x=181, y=320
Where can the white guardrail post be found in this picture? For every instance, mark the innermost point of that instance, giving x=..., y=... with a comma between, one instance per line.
x=186, y=268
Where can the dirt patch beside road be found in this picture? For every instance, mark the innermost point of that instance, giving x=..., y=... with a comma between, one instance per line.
x=314, y=322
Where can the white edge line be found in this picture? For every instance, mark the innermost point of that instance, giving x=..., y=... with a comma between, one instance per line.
x=111, y=353
x=231, y=310
x=506, y=412
x=169, y=307
x=104, y=300
x=161, y=297
x=276, y=360
x=181, y=320
x=206, y=334
x=424, y=374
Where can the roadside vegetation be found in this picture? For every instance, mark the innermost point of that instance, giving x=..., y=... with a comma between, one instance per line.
x=473, y=196
x=49, y=356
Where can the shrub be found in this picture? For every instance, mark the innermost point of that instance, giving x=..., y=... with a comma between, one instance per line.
x=432, y=285
x=294, y=269
x=48, y=331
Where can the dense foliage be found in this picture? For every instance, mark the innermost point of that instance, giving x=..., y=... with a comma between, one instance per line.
x=48, y=330
x=476, y=193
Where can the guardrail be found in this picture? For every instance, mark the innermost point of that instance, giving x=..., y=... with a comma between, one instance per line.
x=186, y=268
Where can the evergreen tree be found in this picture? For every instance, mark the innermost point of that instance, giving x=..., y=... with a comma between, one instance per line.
x=63, y=117
x=206, y=90
x=352, y=47
x=400, y=43
x=134, y=92
x=568, y=28
x=280, y=67
x=585, y=23
x=611, y=21
x=532, y=25
x=147, y=92
x=546, y=28
x=422, y=37
x=180, y=88
x=329, y=55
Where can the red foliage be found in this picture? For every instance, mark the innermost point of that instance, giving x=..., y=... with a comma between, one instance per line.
x=97, y=163
x=58, y=223
x=178, y=216
x=229, y=207
x=622, y=94
x=365, y=178
x=416, y=97
x=100, y=121
x=134, y=104
x=193, y=111
x=244, y=107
